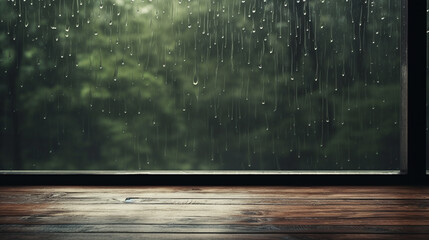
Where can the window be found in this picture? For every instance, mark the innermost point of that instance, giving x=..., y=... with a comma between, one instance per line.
x=200, y=85
x=427, y=81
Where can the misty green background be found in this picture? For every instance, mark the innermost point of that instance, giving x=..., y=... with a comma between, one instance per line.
x=199, y=85
x=427, y=84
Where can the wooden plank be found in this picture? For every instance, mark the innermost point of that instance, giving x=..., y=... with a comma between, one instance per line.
x=188, y=219
x=188, y=206
x=71, y=198
x=150, y=236
x=208, y=228
x=235, y=195
x=168, y=213
x=214, y=212
x=316, y=190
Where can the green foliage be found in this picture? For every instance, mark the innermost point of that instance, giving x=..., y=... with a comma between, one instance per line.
x=225, y=84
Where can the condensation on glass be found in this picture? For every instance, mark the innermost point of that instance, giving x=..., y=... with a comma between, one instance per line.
x=200, y=84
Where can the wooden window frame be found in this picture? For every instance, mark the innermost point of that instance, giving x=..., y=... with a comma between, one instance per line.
x=412, y=152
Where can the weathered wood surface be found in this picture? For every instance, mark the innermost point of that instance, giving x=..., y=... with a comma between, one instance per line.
x=335, y=212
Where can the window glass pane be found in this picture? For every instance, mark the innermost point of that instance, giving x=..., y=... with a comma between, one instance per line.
x=200, y=84
x=427, y=83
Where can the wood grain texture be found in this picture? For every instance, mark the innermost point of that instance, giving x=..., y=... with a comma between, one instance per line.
x=334, y=212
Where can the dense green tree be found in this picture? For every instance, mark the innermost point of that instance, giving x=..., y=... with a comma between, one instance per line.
x=199, y=84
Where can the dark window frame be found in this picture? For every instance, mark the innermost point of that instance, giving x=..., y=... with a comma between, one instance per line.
x=413, y=138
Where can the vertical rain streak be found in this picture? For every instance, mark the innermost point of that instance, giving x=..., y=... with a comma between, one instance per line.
x=207, y=84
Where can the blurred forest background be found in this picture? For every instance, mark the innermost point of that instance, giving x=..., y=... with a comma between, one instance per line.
x=199, y=84
x=427, y=85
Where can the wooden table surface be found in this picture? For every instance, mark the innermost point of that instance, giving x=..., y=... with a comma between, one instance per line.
x=76, y=212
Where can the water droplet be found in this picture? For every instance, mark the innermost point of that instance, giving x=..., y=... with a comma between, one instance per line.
x=195, y=80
